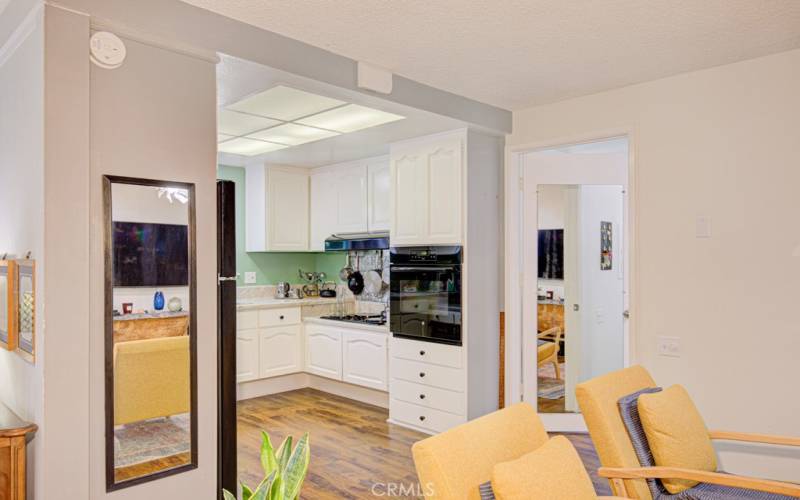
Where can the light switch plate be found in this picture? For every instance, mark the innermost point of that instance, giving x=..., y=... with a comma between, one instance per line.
x=250, y=278
x=702, y=227
x=669, y=347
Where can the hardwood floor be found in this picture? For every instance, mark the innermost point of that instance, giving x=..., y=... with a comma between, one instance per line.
x=122, y=474
x=353, y=448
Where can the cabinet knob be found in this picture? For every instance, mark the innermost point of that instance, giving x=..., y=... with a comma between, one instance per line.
x=421, y=353
x=422, y=374
x=421, y=396
x=422, y=418
x=281, y=316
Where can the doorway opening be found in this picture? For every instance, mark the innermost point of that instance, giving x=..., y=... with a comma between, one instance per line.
x=573, y=249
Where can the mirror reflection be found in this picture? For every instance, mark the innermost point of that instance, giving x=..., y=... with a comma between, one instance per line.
x=580, y=296
x=151, y=290
x=5, y=305
x=25, y=308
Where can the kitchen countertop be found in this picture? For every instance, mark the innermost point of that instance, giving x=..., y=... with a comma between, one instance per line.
x=348, y=324
x=272, y=303
x=151, y=315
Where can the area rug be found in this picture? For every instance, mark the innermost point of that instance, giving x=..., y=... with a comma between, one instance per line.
x=549, y=387
x=149, y=440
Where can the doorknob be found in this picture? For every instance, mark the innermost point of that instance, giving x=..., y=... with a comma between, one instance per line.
x=576, y=307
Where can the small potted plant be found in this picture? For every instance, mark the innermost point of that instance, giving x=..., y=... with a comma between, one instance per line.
x=284, y=471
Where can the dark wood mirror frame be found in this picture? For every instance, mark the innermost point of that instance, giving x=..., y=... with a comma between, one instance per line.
x=108, y=180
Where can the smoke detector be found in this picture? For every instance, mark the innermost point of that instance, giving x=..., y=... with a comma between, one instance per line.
x=107, y=50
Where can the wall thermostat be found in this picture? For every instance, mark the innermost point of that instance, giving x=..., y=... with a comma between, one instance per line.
x=107, y=50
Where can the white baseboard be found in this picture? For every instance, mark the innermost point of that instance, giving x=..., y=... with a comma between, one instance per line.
x=295, y=381
x=412, y=427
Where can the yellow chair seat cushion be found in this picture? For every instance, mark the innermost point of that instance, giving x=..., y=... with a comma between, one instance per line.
x=677, y=434
x=552, y=472
x=546, y=350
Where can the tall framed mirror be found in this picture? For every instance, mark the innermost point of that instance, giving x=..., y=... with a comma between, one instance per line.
x=150, y=330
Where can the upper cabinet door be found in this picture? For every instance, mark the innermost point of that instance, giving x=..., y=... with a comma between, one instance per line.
x=287, y=217
x=379, y=191
x=409, y=199
x=351, y=198
x=323, y=213
x=445, y=167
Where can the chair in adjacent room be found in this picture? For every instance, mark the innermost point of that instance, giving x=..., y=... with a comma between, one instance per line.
x=549, y=347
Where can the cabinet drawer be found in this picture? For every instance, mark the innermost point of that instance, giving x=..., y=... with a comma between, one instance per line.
x=427, y=374
x=429, y=397
x=246, y=320
x=428, y=352
x=278, y=317
x=419, y=416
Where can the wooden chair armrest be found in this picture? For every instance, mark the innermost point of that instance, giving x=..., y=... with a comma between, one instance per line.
x=550, y=332
x=754, y=438
x=750, y=483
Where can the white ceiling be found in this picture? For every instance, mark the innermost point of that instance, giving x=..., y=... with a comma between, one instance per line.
x=517, y=53
x=237, y=79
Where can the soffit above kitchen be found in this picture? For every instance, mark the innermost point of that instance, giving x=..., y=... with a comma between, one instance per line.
x=271, y=116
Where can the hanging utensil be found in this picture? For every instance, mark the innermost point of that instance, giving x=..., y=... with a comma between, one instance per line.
x=346, y=271
x=356, y=280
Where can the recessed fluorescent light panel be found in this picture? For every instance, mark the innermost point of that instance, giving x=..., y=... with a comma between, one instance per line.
x=236, y=124
x=248, y=147
x=350, y=118
x=285, y=104
x=282, y=117
x=292, y=134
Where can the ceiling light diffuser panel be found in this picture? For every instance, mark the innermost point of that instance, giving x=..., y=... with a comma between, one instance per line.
x=350, y=118
x=248, y=147
x=292, y=134
x=233, y=123
x=285, y=103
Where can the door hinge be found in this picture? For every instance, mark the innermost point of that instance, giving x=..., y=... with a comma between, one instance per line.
x=522, y=184
x=576, y=307
x=626, y=314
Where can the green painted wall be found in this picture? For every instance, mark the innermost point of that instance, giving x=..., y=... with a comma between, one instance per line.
x=271, y=267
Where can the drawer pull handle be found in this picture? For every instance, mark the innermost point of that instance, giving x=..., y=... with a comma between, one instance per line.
x=421, y=396
x=422, y=418
x=421, y=353
x=422, y=374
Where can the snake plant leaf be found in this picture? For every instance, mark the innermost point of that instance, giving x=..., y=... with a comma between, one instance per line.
x=228, y=495
x=247, y=493
x=278, y=490
x=268, y=461
x=264, y=489
x=297, y=467
x=284, y=452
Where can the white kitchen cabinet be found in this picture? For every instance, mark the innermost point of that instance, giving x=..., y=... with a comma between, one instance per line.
x=379, y=194
x=427, y=192
x=277, y=209
x=323, y=214
x=365, y=359
x=351, y=198
x=323, y=351
x=280, y=350
x=246, y=355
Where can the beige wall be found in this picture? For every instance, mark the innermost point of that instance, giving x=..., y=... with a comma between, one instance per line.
x=724, y=143
x=22, y=201
x=152, y=118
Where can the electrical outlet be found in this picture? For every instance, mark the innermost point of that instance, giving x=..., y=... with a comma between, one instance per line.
x=669, y=347
x=250, y=278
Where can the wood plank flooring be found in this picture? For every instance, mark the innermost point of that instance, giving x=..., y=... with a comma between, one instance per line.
x=353, y=448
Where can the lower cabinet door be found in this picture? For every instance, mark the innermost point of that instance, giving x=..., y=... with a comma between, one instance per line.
x=280, y=350
x=365, y=359
x=246, y=355
x=323, y=351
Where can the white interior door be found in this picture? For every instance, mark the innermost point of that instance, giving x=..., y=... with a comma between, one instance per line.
x=574, y=248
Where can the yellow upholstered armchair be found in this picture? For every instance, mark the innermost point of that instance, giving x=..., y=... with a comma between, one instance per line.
x=549, y=345
x=151, y=379
x=599, y=402
x=511, y=449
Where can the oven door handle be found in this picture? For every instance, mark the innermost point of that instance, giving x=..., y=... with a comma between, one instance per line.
x=404, y=269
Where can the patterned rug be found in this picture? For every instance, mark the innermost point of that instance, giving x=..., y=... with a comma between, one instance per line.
x=549, y=387
x=151, y=439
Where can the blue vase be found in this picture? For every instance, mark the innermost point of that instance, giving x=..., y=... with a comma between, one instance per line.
x=158, y=301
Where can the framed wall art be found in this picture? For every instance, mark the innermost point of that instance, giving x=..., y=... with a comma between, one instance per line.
x=25, y=308
x=8, y=331
x=606, y=246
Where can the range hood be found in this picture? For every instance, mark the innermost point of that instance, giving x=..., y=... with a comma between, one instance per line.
x=343, y=242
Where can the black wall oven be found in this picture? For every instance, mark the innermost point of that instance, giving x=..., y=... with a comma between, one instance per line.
x=425, y=298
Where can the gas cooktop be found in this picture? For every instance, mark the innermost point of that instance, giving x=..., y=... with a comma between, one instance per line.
x=366, y=319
